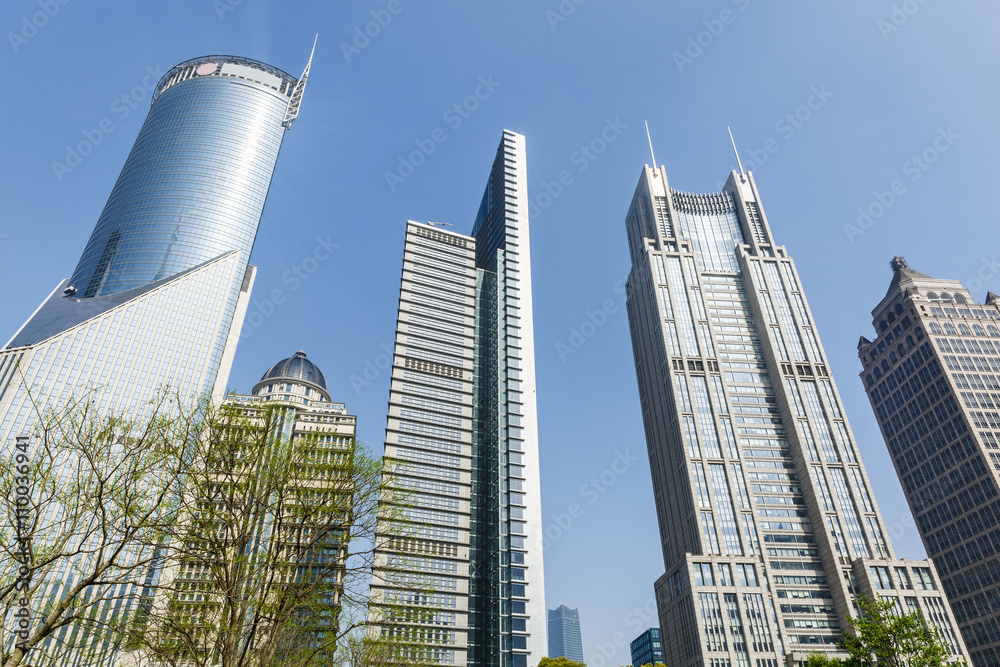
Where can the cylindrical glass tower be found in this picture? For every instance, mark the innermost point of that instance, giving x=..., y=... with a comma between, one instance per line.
x=194, y=185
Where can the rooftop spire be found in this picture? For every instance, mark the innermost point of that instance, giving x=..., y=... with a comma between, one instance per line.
x=898, y=263
x=650, y=140
x=742, y=173
x=295, y=101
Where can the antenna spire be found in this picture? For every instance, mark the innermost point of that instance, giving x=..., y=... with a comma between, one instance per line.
x=650, y=140
x=742, y=173
x=295, y=99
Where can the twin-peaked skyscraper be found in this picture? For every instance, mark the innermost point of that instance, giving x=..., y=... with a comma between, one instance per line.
x=767, y=519
x=464, y=549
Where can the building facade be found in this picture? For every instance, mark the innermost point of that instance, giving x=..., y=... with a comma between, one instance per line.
x=564, y=634
x=462, y=438
x=159, y=294
x=647, y=648
x=931, y=374
x=290, y=408
x=767, y=519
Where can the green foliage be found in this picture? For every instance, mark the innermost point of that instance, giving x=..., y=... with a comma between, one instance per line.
x=560, y=662
x=882, y=637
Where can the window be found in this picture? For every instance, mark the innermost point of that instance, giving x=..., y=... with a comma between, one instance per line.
x=725, y=574
x=880, y=576
x=703, y=574
x=902, y=579
x=924, y=580
x=747, y=574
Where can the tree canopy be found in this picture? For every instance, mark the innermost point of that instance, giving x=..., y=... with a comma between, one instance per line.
x=881, y=636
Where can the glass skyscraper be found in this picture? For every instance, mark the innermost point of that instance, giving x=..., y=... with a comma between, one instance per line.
x=564, y=634
x=931, y=374
x=464, y=548
x=767, y=520
x=160, y=292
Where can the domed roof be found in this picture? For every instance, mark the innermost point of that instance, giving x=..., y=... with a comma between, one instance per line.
x=296, y=368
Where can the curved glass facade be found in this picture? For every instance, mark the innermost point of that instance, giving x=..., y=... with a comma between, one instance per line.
x=195, y=182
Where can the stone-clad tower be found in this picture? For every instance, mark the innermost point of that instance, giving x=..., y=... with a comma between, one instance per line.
x=932, y=374
x=766, y=515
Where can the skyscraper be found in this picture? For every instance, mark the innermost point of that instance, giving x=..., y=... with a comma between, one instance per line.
x=159, y=294
x=647, y=648
x=931, y=374
x=463, y=436
x=564, y=634
x=766, y=516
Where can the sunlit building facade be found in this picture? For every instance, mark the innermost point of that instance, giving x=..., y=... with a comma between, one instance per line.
x=459, y=569
x=931, y=374
x=767, y=520
x=159, y=294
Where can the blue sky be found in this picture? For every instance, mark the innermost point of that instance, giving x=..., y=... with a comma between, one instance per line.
x=885, y=81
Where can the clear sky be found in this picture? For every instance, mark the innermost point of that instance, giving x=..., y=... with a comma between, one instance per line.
x=828, y=102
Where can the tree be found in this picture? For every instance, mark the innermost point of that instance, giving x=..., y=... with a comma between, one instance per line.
x=271, y=554
x=194, y=534
x=560, y=662
x=84, y=511
x=881, y=636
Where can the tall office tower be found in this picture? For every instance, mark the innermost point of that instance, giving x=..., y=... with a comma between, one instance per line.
x=160, y=292
x=932, y=378
x=564, y=634
x=463, y=435
x=165, y=276
x=647, y=648
x=291, y=407
x=767, y=519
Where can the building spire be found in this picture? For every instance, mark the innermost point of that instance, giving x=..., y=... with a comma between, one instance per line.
x=295, y=101
x=898, y=263
x=742, y=173
x=650, y=140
